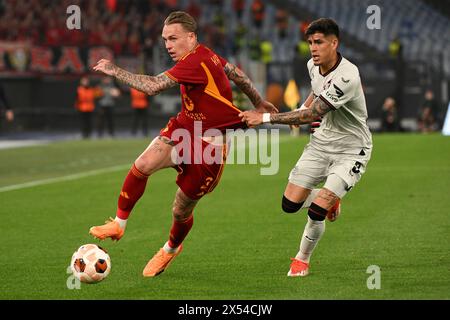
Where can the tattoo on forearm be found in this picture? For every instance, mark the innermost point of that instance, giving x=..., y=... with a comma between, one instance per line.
x=243, y=82
x=317, y=109
x=151, y=85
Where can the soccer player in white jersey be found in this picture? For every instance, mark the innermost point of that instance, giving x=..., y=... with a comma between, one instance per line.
x=339, y=149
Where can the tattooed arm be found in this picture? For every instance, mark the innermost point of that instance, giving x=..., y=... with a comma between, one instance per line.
x=245, y=84
x=151, y=85
x=317, y=109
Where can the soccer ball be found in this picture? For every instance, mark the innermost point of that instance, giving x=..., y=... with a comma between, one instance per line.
x=90, y=263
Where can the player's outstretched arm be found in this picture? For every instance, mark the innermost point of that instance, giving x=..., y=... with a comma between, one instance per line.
x=245, y=84
x=317, y=109
x=151, y=85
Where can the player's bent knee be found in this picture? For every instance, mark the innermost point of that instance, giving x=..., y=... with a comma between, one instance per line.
x=143, y=166
x=290, y=206
x=316, y=212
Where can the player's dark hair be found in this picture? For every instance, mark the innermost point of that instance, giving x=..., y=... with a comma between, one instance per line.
x=326, y=26
x=183, y=18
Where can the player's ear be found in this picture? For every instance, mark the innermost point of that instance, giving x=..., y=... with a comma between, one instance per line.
x=335, y=42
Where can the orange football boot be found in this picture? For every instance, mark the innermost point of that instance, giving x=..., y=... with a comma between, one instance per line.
x=160, y=262
x=298, y=268
x=334, y=212
x=111, y=229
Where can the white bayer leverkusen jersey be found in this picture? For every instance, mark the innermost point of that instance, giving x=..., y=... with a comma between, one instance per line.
x=343, y=129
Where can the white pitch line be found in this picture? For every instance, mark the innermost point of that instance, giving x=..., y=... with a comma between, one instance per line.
x=81, y=175
x=21, y=143
x=63, y=178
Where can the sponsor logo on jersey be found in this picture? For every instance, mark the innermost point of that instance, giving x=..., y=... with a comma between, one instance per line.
x=331, y=96
x=339, y=92
x=335, y=96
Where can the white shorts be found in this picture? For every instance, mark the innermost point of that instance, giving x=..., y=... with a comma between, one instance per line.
x=339, y=171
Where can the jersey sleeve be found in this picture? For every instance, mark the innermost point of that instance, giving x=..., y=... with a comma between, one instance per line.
x=222, y=61
x=341, y=90
x=187, y=72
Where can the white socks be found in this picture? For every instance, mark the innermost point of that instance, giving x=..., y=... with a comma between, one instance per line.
x=311, y=236
x=122, y=223
x=169, y=249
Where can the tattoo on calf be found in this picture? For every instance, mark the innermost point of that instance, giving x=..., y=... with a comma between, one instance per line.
x=328, y=196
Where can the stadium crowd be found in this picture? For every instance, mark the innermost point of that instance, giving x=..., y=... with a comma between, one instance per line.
x=133, y=28
x=127, y=27
x=121, y=25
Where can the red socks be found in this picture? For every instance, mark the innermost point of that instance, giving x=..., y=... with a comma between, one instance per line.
x=132, y=190
x=179, y=231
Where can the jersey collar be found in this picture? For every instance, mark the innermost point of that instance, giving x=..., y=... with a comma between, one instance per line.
x=333, y=68
x=192, y=51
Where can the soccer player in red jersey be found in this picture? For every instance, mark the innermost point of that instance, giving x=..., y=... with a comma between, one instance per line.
x=206, y=98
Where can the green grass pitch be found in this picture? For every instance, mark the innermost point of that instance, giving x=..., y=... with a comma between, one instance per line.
x=396, y=218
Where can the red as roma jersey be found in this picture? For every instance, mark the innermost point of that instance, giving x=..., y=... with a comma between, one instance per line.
x=205, y=91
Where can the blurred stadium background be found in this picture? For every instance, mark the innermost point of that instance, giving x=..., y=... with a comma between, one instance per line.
x=42, y=61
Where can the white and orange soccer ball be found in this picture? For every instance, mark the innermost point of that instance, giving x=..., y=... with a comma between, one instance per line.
x=90, y=263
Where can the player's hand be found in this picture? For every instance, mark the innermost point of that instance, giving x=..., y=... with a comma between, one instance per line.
x=106, y=66
x=252, y=118
x=266, y=106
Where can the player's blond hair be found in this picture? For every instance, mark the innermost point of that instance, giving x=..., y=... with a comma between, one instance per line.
x=183, y=18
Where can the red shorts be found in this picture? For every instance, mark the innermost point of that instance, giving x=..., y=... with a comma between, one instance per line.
x=196, y=177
